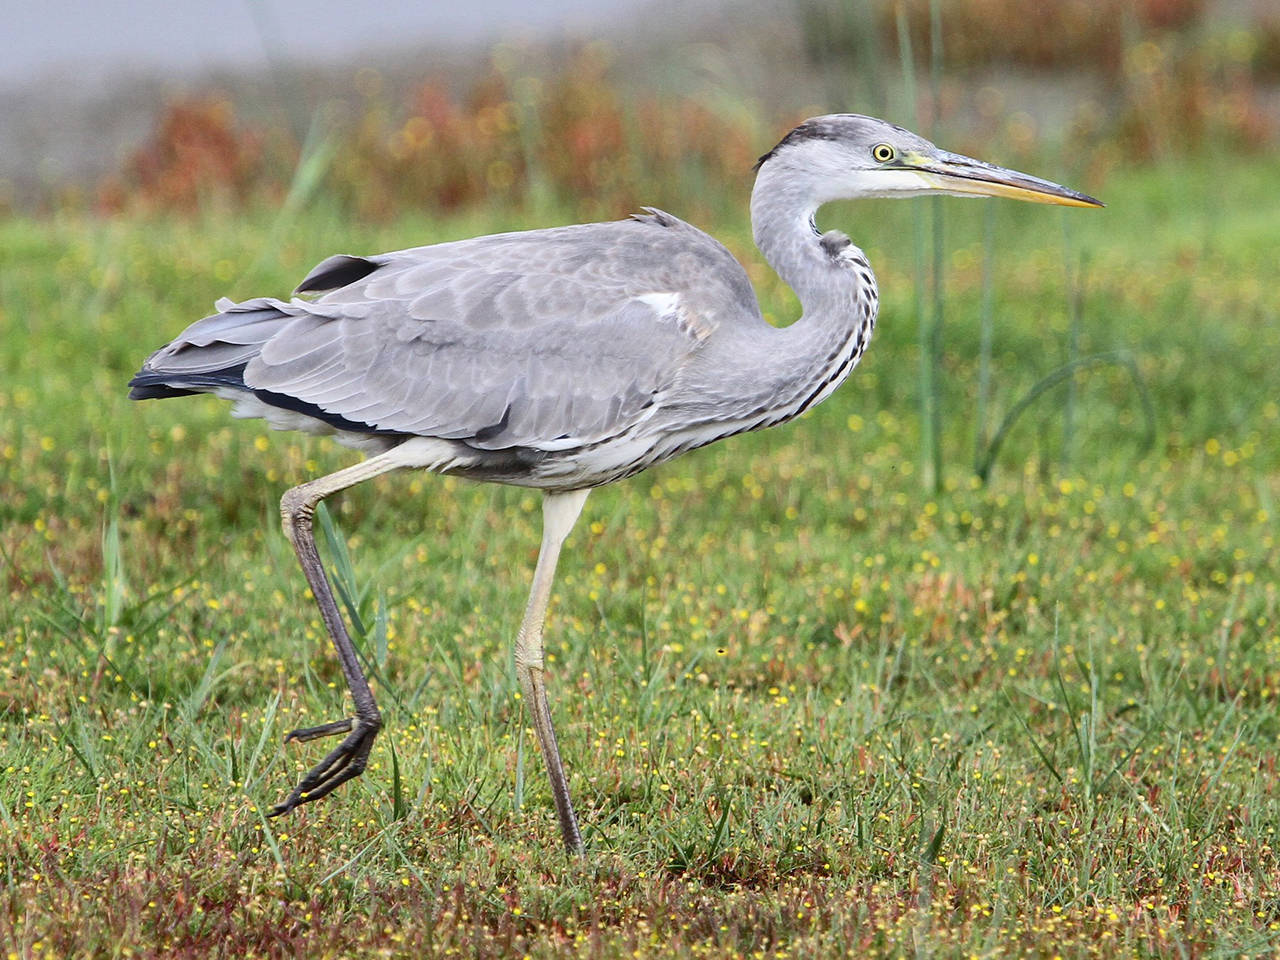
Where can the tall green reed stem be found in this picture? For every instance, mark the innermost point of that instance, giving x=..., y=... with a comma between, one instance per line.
x=986, y=335
x=1073, y=283
x=928, y=439
x=933, y=476
x=931, y=319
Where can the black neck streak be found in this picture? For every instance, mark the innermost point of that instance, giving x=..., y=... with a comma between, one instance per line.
x=835, y=244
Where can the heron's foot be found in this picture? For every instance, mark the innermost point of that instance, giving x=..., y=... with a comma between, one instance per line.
x=345, y=762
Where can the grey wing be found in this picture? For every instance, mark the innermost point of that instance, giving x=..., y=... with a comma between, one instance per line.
x=550, y=339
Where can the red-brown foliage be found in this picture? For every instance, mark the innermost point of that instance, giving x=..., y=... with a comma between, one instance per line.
x=1051, y=34
x=570, y=137
x=197, y=153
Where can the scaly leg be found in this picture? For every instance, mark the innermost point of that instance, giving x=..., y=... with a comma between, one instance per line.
x=348, y=759
x=559, y=513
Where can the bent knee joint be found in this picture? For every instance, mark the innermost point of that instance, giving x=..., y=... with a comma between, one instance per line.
x=297, y=507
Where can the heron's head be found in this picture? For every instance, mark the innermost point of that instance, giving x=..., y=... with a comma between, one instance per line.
x=846, y=156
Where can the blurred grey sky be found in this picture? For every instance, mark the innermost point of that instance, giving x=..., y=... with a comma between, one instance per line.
x=93, y=38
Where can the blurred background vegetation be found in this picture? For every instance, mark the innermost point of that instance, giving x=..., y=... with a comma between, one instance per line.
x=598, y=127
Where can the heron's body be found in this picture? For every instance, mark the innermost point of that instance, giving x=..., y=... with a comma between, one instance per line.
x=561, y=359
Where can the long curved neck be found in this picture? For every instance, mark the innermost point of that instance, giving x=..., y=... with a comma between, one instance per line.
x=830, y=275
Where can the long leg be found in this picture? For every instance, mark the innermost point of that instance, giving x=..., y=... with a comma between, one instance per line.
x=559, y=513
x=348, y=758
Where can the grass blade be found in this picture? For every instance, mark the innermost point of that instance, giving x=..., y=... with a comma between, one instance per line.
x=1055, y=378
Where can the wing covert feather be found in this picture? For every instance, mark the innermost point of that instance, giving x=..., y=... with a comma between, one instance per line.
x=545, y=339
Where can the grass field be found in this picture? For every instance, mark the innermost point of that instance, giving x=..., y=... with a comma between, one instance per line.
x=809, y=707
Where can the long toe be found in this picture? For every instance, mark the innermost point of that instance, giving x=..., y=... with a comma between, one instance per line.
x=303, y=734
x=345, y=762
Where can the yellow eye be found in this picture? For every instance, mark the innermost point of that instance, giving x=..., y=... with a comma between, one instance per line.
x=883, y=153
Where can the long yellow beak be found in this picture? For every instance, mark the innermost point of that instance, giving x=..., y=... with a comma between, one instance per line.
x=965, y=176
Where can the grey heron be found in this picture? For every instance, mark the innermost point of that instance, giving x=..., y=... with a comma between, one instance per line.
x=560, y=359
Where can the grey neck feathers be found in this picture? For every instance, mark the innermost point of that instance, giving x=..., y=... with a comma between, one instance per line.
x=829, y=274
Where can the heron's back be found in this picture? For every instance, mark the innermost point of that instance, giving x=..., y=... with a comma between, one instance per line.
x=549, y=358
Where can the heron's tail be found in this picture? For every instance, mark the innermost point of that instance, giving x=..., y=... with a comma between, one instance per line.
x=211, y=354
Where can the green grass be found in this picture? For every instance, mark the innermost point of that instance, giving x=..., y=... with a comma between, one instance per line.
x=808, y=708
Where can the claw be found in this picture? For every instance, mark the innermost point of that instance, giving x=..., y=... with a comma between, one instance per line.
x=345, y=762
